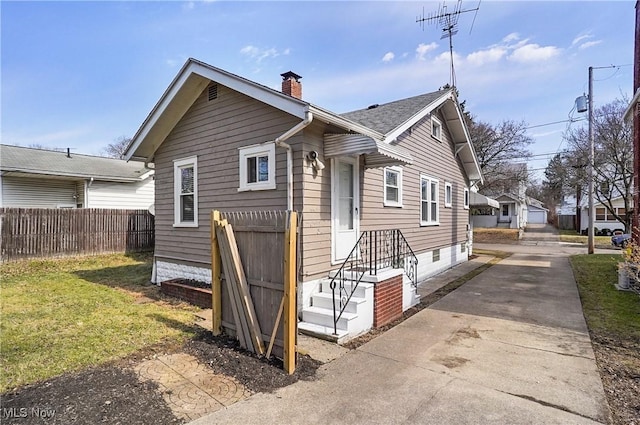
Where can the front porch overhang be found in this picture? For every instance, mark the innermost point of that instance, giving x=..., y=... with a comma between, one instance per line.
x=477, y=200
x=376, y=152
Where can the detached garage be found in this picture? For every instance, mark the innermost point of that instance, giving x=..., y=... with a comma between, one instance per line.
x=536, y=214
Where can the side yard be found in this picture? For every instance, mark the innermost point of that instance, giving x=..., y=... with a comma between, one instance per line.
x=75, y=329
x=613, y=318
x=66, y=314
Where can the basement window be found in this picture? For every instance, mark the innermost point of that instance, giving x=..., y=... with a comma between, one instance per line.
x=258, y=167
x=185, y=192
x=436, y=255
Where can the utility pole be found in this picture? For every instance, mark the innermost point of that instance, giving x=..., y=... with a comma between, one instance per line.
x=635, y=232
x=590, y=235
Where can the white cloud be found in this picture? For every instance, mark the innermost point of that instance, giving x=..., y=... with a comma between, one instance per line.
x=388, y=57
x=589, y=44
x=534, y=53
x=482, y=57
x=423, y=49
x=579, y=39
x=514, y=36
x=259, y=54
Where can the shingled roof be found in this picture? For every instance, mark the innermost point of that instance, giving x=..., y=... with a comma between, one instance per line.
x=54, y=163
x=389, y=116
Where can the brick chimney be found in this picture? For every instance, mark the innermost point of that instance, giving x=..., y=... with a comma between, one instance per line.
x=291, y=84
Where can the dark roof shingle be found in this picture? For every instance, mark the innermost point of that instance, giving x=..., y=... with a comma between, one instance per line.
x=389, y=116
x=38, y=161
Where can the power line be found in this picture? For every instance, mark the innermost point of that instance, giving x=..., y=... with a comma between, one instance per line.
x=555, y=122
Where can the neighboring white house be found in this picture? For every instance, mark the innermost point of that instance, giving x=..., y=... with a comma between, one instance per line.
x=36, y=178
x=603, y=218
x=512, y=212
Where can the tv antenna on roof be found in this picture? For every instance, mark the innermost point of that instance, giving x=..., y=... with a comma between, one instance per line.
x=448, y=22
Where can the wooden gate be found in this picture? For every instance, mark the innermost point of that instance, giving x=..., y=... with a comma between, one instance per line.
x=267, y=247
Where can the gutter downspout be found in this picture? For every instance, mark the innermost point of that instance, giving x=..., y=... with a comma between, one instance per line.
x=279, y=142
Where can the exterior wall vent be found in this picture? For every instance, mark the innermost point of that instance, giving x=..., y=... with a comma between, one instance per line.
x=213, y=92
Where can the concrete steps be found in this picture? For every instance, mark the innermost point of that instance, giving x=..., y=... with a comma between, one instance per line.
x=317, y=319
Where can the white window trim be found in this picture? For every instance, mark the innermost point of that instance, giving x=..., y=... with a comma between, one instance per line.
x=435, y=120
x=466, y=198
x=386, y=202
x=268, y=149
x=448, y=190
x=430, y=180
x=177, y=165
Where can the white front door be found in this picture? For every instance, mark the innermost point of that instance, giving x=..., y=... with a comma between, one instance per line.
x=345, y=202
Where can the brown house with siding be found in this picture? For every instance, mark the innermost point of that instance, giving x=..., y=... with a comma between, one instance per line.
x=219, y=141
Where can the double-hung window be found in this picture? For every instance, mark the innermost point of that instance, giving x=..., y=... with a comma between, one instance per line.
x=185, y=192
x=393, y=187
x=429, y=189
x=258, y=167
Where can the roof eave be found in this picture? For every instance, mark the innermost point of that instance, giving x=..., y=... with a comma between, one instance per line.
x=348, y=125
x=185, y=88
x=628, y=113
x=396, y=132
x=78, y=176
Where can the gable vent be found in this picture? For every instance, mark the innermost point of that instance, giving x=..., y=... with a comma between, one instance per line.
x=213, y=92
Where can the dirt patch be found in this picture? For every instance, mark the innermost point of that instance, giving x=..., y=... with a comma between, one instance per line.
x=619, y=365
x=481, y=235
x=451, y=362
x=113, y=393
x=108, y=395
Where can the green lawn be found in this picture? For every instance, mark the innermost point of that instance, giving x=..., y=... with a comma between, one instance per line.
x=573, y=237
x=65, y=314
x=608, y=312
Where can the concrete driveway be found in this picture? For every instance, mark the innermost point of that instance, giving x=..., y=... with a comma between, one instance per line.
x=508, y=347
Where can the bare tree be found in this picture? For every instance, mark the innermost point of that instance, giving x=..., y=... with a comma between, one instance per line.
x=613, y=158
x=117, y=148
x=501, y=150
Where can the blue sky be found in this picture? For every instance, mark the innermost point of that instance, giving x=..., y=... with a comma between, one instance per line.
x=81, y=74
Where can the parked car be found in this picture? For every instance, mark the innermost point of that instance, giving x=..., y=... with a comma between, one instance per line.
x=621, y=240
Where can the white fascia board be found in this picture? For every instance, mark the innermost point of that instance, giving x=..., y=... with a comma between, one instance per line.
x=331, y=118
x=628, y=113
x=147, y=175
x=71, y=176
x=396, y=132
x=158, y=110
x=288, y=104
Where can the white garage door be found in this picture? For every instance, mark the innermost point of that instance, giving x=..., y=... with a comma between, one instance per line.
x=537, y=217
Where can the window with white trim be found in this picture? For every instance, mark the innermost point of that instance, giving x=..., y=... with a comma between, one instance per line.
x=185, y=192
x=436, y=128
x=393, y=187
x=466, y=199
x=258, y=167
x=448, y=194
x=429, y=189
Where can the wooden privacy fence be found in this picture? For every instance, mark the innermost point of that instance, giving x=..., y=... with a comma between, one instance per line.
x=266, y=261
x=43, y=232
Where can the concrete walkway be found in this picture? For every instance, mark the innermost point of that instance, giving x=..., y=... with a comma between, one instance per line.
x=508, y=347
